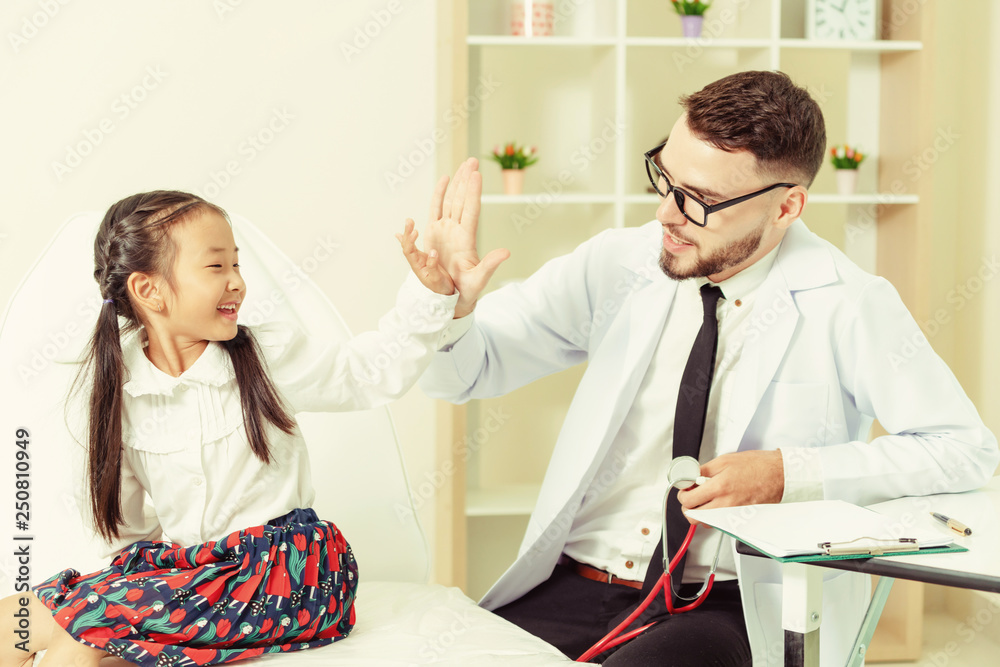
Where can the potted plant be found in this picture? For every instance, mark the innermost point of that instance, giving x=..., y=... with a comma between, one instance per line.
x=512, y=160
x=846, y=160
x=692, y=13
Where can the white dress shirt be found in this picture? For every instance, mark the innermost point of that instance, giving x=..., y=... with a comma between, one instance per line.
x=619, y=522
x=183, y=437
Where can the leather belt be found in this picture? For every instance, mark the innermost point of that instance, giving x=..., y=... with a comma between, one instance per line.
x=594, y=574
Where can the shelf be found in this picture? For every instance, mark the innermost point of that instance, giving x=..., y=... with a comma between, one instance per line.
x=876, y=198
x=814, y=198
x=863, y=45
x=539, y=197
x=507, y=40
x=878, y=45
x=708, y=42
x=512, y=500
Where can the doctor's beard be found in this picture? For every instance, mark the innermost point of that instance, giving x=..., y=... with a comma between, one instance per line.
x=724, y=258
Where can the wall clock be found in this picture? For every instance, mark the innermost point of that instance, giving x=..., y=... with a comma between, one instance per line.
x=841, y=19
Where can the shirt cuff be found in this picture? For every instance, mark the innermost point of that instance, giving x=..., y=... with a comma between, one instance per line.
x=803, y=468
x=455, y=330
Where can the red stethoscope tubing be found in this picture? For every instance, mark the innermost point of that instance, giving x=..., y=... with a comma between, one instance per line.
x=611, y=639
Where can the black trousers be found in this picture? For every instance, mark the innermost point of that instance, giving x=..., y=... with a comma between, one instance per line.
x=572, y=613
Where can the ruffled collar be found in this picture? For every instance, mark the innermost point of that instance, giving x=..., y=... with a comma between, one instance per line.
x=213, y=367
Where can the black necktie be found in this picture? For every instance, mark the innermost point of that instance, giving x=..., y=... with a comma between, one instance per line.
x=689, y=425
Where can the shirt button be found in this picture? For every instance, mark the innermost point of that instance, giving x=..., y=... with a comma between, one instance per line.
x=198, y=481
x=738, y=303
x=629, y=564
x=645, y=531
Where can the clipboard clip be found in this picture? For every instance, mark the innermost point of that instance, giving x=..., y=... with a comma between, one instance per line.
x=888, y=546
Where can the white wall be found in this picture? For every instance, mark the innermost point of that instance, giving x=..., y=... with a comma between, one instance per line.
x=989, y=387
x=333, y=109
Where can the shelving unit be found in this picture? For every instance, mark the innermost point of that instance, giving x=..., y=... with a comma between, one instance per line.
x=593, y=97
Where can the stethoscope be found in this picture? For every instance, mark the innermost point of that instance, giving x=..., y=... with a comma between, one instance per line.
x=683, y=473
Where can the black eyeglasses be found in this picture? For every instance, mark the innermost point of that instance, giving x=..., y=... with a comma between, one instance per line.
x=693, y=208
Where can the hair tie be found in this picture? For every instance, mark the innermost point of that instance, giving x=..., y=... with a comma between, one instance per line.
x=109, y=301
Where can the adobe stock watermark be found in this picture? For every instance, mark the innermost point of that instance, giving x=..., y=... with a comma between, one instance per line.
x=959, y=297
x=33, y=23
x=915, y=167
x=581, y=158
x=247, y=151
x=433, y=649
x=425, y=147
x=292, y=279
x=471, y=443
x=53, y=345
x=712, y=28
x=371, y=30
x=426, y=321
x=121, y=108
x=558, y=529
x=224, y=7
x=899, y=16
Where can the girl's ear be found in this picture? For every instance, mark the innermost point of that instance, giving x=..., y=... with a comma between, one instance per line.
x=145, y=292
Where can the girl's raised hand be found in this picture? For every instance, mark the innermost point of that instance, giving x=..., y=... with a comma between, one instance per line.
x=424, y=264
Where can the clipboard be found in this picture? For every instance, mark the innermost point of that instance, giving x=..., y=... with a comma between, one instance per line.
x=745, y=548
x=824, y=530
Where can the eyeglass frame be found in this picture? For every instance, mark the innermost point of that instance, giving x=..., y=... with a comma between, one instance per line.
x=680, y=193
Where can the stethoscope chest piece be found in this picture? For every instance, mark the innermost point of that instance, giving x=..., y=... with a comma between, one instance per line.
x=684, y=472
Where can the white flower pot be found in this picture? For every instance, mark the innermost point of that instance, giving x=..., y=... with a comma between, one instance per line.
x=691, y=25
x=847, y=181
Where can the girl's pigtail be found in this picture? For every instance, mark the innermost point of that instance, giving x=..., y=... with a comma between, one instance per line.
x=258, y=396
x=105, y=423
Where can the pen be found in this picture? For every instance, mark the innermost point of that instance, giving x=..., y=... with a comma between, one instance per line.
x=957, y=526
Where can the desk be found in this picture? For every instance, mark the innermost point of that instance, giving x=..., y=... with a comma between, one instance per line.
x=978, y=568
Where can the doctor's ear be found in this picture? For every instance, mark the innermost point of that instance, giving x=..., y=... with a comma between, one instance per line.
x=144, y=290
x=791, y=205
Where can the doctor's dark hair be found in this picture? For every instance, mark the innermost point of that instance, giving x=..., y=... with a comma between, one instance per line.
x=135, y=237
x=766, y=114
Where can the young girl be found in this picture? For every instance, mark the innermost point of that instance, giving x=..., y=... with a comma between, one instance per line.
x=250, y=568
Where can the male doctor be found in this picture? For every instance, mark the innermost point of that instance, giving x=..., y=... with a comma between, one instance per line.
x=806, y=356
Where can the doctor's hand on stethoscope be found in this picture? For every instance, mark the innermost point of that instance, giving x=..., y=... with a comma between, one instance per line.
x=730, y=480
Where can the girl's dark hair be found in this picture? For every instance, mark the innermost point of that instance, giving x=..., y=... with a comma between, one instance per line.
x=135, y=237
x=766, y=114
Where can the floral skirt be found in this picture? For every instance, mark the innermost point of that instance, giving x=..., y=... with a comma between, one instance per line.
x=283, y=586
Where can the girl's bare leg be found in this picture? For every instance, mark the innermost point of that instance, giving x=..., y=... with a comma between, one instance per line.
x=64, y=651
x=35, y=628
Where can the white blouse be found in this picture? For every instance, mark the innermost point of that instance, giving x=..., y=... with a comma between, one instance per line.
x=183, y=437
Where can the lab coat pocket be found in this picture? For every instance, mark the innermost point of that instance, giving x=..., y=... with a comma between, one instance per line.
x=793, y=415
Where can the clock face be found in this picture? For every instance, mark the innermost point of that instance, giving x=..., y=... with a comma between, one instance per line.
x=843, y=19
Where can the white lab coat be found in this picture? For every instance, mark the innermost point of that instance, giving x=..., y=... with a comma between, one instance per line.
x=830, y=348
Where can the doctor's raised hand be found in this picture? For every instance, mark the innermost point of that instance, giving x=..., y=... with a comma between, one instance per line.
x=451, y=235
